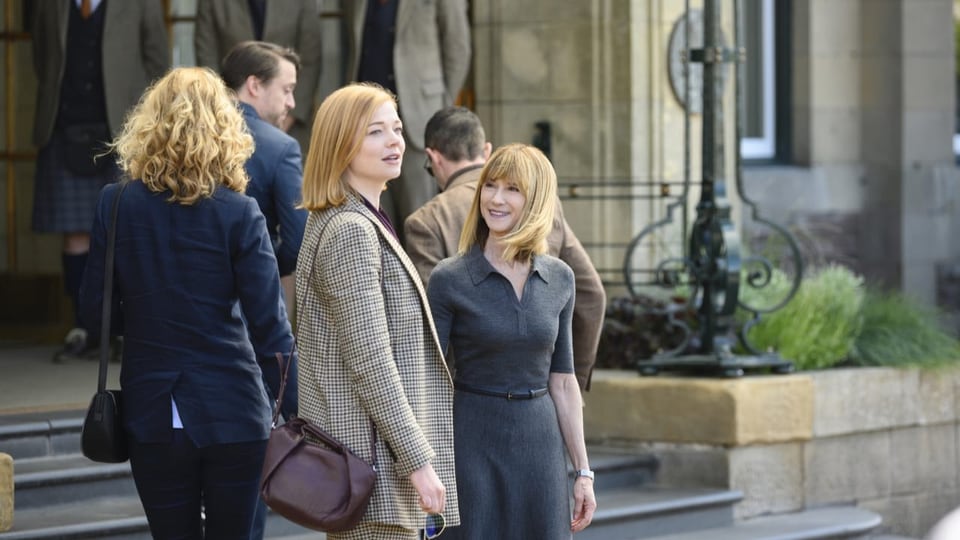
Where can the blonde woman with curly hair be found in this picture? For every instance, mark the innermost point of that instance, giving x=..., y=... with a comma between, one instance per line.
x=503, y=308
x=369, y=353
x=193, y=262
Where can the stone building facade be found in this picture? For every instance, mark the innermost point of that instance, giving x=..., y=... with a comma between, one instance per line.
x=854, y=102
x=859, y=159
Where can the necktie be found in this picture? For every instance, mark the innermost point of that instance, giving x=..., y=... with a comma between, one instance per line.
x=84, y=8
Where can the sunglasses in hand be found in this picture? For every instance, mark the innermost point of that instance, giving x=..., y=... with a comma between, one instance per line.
x=435, y=526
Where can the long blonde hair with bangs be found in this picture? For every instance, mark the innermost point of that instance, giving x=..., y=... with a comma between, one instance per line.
x=186, y=136
x=526, y=166
x=336, y=139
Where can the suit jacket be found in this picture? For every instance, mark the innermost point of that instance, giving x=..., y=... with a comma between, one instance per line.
x=184, y=274
x=221, y=24
x=276, y=181
x=432, y=233
x=431, y=56
x=369, y=352
x=135, y=52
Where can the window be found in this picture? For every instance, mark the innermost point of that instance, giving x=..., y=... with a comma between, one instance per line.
x=182, y=16
x=759, y=95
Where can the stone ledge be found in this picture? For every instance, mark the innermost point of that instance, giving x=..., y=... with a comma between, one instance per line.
x=871, y=399
x=6, y=492
x=622, y=405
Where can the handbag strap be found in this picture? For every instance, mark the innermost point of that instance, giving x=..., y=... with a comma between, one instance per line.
x=284, y=368
x=108, y=291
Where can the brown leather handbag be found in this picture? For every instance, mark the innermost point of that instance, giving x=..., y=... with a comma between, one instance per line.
x=312, y=479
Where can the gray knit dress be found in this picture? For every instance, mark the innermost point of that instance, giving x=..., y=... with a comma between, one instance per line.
x=510, y=456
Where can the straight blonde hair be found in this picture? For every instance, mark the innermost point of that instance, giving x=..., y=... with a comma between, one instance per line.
x=337, y=135
x=527, y=167
x=187, y=136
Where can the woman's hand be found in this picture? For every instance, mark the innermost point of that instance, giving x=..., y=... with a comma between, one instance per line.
x=433, y=496
x=584, y=503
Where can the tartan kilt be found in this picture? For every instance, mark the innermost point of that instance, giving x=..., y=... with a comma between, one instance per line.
x=64, y=202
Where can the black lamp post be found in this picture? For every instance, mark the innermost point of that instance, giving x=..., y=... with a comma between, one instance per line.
x=712, y=266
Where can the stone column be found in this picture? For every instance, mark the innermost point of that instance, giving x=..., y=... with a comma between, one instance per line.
x=910, y=188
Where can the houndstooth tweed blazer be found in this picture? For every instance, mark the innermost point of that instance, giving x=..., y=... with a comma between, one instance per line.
x=369, y=351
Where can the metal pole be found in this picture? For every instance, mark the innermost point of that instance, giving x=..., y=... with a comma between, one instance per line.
x=705, y=239
x=714, y=260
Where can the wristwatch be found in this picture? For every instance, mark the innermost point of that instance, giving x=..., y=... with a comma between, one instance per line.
x=583, y=472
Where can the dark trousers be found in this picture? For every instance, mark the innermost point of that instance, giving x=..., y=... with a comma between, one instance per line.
x=175, y=481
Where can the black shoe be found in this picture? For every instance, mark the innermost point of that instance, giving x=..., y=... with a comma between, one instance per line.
x=76, y=346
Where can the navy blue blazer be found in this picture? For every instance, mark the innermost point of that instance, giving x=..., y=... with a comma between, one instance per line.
x=276, y=182
x=186, y=277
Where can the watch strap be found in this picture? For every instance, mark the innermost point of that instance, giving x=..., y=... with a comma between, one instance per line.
x=584, y=472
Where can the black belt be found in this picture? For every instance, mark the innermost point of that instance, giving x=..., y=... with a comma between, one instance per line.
x=510, y=394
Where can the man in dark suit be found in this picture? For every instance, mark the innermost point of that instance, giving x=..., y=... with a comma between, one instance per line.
x=264, y=77
x=420, y=51
x=93, y=59
x=457, y=149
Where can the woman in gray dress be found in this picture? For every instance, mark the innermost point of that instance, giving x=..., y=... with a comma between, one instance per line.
x=503, y=309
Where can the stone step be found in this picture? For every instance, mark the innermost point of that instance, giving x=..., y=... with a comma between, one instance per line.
x=41, y=434
x=615, y=468
x=831, y=523
x=51, y=477
x=43, y=481
x=113, y=517
x=627, y=513
x=68, y=496
x=38, y=435
x=100, y=517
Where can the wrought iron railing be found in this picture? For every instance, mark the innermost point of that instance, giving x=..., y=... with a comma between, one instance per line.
x=712, y=270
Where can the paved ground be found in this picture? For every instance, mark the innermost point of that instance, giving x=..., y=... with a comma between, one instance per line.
x=31, y=382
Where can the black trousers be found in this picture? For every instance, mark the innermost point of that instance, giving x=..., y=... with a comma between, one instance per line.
x=176, y=481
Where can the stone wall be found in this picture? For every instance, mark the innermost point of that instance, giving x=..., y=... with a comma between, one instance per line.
x=883, y=439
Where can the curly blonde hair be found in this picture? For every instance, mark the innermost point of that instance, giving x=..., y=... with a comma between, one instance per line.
x=336, y=139
x=186, y=136
x=530, y=169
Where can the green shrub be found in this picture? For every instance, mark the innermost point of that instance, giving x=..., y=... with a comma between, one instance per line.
x=819, y=326
x=833, y=319
x=898, y=331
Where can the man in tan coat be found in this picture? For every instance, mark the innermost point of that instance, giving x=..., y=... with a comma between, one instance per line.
x=457, y=149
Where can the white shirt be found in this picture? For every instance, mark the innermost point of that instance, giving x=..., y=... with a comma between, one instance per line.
x=94, y=4
x=177, y=423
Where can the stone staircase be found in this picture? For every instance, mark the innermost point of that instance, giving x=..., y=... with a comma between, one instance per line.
x=60, y=494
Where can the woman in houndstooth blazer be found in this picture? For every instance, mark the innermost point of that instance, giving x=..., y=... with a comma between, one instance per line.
x=369, y=349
